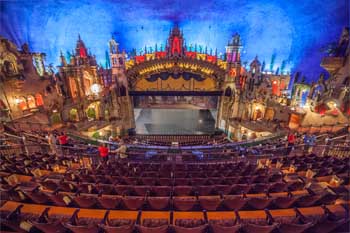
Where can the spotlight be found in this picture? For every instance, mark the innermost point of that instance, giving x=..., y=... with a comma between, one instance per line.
x=200, y=121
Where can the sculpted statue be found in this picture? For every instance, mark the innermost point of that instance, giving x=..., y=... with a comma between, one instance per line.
x=25, y=48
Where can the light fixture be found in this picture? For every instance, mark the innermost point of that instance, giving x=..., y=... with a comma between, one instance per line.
x=275, y=82
x=17, y=100
x=95, y=88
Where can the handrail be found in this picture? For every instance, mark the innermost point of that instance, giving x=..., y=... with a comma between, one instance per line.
x=338, y=137
x=15, y=136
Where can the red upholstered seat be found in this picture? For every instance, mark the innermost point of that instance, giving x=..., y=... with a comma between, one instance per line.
x=158, y=203
x=223, y=189
x=277, y=187
x=285, y=202
x=190, y=226
x=182, y=190
x=184, y=203
x=205, y=190
x=82, y=225
x=154, y=226
x=224, y=226
x=133, y=203
x=124, y=189
x=162, y=190
x=234, y=202
x=209, y=203
x=142, y=190
x=85, y=201
x=107, y=202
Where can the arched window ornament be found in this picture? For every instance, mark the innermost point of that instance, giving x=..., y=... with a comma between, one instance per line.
x=31, y=101
x=228, y=92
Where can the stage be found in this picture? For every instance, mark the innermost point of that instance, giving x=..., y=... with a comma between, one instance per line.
x=174, y=121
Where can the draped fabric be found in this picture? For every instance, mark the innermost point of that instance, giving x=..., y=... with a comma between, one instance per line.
x=165, y=75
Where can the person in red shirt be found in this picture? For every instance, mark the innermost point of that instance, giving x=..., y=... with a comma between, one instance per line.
x=291, y=142
x=103, y=151
x=63, y=139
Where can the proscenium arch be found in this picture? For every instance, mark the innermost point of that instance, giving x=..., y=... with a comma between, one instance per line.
x=175, y=65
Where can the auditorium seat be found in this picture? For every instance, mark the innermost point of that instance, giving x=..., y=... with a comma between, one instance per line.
x=234, y=202
x=189, y=222
x=329, y=220
x=183, y=190
x=158, y=203
x=258, y=224
x=49, y=224
x=154, y=222
x=223, y=189
x=84, y=201
x=222, y=222
x=108, y=202
x=210, y=203
x=291, y=223
x=133, y=203
x=284, y=202
x=120, y=225
x=105, y=189
x=184, y=203
x=162, y=191
x=259, y=203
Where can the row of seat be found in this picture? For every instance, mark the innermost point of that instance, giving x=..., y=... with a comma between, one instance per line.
x=17, y=217
x=307, y=198
x=78, y=176
x=166, y=190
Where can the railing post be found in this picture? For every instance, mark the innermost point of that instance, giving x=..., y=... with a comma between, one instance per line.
x=25, y=148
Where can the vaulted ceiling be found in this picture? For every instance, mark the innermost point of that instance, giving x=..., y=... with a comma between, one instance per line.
x=295, y=31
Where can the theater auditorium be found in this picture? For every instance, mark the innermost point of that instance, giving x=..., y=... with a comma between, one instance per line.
x=174, y=116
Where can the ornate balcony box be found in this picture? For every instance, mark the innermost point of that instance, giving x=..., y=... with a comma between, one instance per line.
x=332, y=64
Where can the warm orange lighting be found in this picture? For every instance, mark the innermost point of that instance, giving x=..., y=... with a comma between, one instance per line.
x=17, y=101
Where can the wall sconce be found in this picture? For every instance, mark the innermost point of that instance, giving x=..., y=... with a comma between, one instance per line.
x=95, y=88
x=17, y=100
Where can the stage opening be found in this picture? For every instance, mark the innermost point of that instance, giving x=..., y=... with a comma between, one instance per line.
x=174, y=121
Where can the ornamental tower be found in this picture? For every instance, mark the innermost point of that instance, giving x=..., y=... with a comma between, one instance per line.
x=233, y=56
x=175, y=43
x=117, y=61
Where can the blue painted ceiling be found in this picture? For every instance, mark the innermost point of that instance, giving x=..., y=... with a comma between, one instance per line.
x=295, y=31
